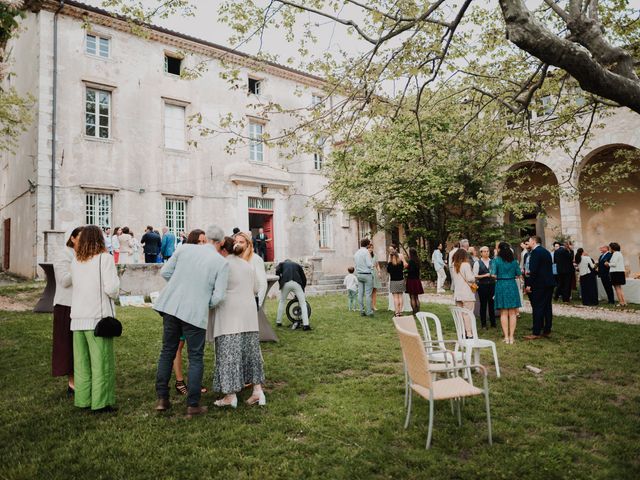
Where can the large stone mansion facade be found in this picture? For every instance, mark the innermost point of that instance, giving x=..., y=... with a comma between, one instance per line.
x=119, y=150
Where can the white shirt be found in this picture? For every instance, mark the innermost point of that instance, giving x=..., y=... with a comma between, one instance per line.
x=584, y=264
x=451, y=253
x=616, y=264
x=351, y=282
x=62, y=271
x=363, y=261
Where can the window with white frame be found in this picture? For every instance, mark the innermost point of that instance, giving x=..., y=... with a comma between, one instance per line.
x=364, y=229
x=318, y=156
x=316, y=100
x=174, y=126
x=254, y=85
x=97, y=45
x=172, y=64
x=97, y=121
x=325, y=235
x=175, y=215
x=256, y=145
x=98, y=209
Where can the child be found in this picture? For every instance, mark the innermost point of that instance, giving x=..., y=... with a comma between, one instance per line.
x=351, y=282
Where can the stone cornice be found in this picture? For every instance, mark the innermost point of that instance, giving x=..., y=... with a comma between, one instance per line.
x=93, y=15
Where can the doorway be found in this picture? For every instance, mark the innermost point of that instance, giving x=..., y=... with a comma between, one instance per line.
x=262, y=219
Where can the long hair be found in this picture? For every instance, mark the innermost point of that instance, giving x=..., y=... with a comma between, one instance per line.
x=248, y=253
x=459, y=258
x=394, y=258
x=505, y=252
x=90, y=244
x=194, y=236
x=76, y=231
x=579, y=255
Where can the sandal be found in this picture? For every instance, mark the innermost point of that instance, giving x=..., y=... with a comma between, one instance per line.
x=181, y=387
x=204, y=390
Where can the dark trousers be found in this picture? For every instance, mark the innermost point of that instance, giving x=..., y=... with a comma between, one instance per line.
x=541, y=301
x=173, y=328
x=150, y=257
x=606, y=283
x=486, y=293
x=564, y=286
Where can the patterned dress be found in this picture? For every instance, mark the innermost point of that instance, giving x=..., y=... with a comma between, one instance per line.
x=507, y=294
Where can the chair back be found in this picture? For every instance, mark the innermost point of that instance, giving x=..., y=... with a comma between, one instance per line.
x=415, y=357
x=458, y=314
x=423, y=319
x=406, y=322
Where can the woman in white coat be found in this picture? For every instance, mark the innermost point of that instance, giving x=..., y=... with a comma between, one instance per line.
x=462, y=278
x=95, y=284
x=126, y=246
x=62, y=351
x=256, y=262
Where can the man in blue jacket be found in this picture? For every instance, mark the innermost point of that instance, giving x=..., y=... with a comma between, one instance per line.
x=168, y=245
x=603, y=272
x=540, y=289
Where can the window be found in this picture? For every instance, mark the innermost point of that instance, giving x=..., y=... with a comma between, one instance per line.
x=364, y=229
x=172, y=65
x=97, y=113
x=324, y=229
x=316, y=100
x=255, y=142
x=261, y=203
x=255, y=86
x=98, y=209
x=318, y=156
x=174, y=127
x=96, y=45
x=175, y=215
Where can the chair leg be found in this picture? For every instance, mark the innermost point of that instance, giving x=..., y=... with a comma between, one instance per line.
x=495, y=360
x=406, y=422
x=486, y=401
x=406, y=386
x=458, y=402
x=430, y=423
x=476, y=355
x=468, y=370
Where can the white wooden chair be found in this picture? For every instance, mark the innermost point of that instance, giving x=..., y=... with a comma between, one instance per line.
x=472, y=345
x=422, y=382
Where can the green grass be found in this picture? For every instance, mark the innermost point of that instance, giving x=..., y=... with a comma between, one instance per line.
x=335, y=408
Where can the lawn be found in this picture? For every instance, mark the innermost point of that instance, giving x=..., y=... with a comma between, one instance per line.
x=335, y=408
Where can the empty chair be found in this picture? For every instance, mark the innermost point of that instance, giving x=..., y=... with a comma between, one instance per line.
x=421, y=382
x=436, y=347
x=472, y=344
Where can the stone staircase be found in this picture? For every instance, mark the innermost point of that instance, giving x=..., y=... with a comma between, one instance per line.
x=332, y=283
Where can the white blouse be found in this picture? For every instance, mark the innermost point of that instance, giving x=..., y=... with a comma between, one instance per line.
x=583, y=266
x=616, y=264
x=461, y=280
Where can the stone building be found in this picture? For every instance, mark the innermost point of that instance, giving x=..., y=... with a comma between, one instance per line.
x=110, y=143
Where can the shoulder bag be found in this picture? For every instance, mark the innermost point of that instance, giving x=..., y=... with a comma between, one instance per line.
x=107, y=326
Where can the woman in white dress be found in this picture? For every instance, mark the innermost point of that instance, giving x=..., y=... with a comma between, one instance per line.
x=126, y=246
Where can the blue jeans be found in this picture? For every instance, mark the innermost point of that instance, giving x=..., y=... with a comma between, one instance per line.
x=353, y=299
x=173, y=329
x=365, y=289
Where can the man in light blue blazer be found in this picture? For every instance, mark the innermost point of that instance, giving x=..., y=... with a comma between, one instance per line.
x=197, y=281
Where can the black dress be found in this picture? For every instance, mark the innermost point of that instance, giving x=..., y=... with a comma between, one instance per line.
x=589, y=287
x=414, y=285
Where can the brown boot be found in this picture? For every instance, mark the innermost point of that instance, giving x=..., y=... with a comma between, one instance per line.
x=192, y=411
x=163, y=404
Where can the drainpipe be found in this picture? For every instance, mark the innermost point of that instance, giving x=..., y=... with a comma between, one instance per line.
x=54, y=115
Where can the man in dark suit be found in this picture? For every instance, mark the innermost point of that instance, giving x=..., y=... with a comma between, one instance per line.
x=292, y=279
x=151, y=242
x=260, y=243
x=540, y=289
x=563, y=258
x=603, y=271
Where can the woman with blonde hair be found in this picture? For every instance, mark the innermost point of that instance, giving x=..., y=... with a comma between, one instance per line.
x=95, y=283
x=462, y=278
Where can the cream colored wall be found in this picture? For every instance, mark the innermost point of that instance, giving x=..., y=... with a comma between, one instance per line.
x=18, y=168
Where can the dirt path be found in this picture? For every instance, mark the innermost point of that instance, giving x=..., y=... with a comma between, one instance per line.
x=591, y=313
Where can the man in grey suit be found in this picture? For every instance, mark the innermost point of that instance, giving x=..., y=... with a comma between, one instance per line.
x=197, y=281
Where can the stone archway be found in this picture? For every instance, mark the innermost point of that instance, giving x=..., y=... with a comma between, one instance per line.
x=610, y=212
x=537, y=184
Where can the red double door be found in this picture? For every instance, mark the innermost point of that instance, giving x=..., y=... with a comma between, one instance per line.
x=263, y=219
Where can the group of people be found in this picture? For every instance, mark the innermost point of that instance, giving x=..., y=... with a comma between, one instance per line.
x=215, y=286
x=125, y=248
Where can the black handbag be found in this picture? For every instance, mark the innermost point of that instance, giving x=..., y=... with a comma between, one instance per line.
x=107, y=326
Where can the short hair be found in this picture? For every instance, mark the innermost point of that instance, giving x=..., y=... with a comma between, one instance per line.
x=351, y=269
x=365, y=242
x=74, y=234
x=125, y=229
x=484, y=247
x=464, y=243
x=194, y=236
x=227, y=245
x=537, y=239
x=149, y=227
x=615, y=246
x=556, y=243
x=215, y=233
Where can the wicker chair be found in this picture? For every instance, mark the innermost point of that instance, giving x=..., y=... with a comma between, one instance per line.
x=422, y=383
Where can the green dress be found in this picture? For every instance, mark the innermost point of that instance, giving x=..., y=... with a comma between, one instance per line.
x=507, y=294
x=377, y=283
